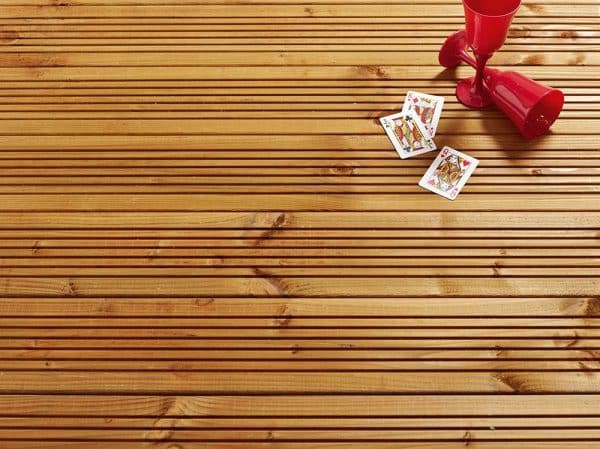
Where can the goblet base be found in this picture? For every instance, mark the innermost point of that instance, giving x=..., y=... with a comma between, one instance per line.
x=471, y=97
x=453, y=49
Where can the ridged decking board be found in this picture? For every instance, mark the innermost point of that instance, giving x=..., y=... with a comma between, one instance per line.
x=207, y=241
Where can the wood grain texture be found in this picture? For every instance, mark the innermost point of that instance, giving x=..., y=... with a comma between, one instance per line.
x=207, y=241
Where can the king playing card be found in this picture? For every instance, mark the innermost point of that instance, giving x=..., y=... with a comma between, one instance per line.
x=427, y=108
x=449, y=173
x=407, y=134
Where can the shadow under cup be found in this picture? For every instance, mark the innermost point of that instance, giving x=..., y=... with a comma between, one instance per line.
x=487, y=23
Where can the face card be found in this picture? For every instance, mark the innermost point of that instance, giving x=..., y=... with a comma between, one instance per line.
x=449, y=173
x=407, y=134
x=427, y=108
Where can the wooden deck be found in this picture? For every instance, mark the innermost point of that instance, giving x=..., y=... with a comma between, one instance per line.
x=207, y=241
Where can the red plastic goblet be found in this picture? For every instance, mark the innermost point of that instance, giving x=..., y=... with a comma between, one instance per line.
x=487, y=23
x=531, y=106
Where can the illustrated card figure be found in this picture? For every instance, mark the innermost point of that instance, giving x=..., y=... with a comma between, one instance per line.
x=407, y=134
x=449, y=173
x=428, y=108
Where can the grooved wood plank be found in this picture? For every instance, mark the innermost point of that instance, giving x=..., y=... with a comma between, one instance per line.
x=294, y=346
x=440, y=12
x=298, y=220
x=459, y=444
x=315, y=286
x=275, y=307
x=298, y=406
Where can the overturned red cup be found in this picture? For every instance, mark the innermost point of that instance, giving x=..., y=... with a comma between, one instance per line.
x=531, y=106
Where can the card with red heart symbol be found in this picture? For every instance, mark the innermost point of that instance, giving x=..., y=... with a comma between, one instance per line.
x=427, y=108
x=449, y=173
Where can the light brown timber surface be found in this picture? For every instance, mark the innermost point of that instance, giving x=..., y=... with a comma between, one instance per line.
x=207, y=241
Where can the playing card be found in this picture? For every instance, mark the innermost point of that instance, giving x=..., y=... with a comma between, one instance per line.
x=407, y=134
x=427, y=108
x=449, y=173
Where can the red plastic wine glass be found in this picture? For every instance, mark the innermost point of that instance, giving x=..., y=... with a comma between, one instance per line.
x=531, y=106
x=487, y=23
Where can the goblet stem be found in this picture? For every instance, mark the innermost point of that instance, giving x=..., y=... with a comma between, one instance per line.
x=481, y=61
x=472, y=91
x=464, y=56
